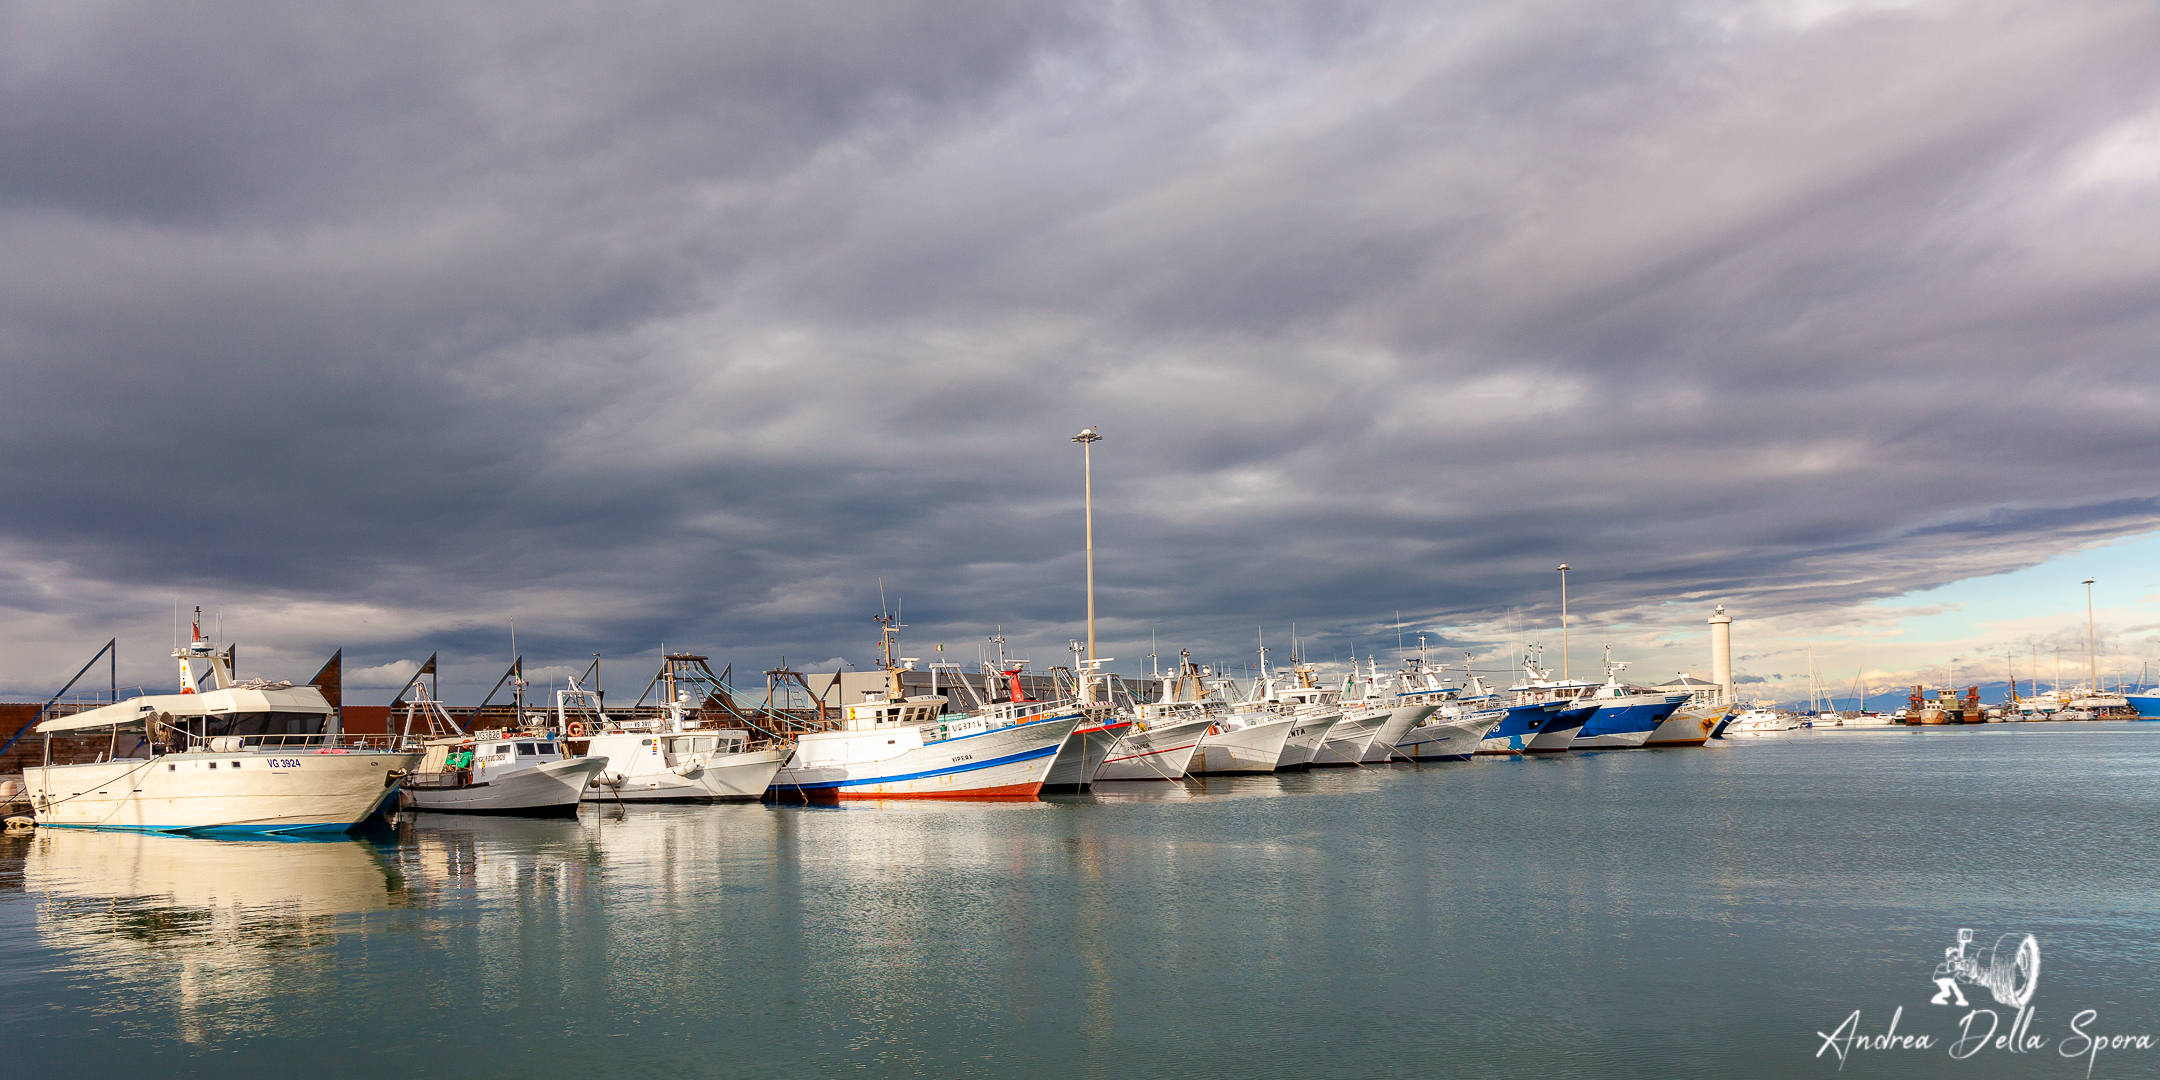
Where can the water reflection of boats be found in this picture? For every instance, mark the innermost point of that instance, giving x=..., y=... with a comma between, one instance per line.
x=203, y=926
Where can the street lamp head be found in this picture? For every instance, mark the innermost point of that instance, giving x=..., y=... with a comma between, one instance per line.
x=2087, y=581
x=1087, y=435
x=1563, y=568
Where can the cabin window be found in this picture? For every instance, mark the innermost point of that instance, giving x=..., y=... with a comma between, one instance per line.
x=213, y=764
x=252, y=724
x=500, y=750
x=526, y=749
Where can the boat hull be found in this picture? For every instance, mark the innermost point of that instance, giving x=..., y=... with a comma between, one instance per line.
x=2147, y=705
x=298, y=791
x=1448, y=738
x=1008, y=762
x=1307, y=740
x=1398, y=724
x=1158, y=753
x=1350, y=738
x=1627, y=724
x=1689, y=725
x=639, y=773
x=540, y=790
x=1082, y=754
x=1559, y=732
x=1253, y=749
x=1518, y=726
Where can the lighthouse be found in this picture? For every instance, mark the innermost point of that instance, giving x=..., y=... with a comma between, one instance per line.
x=1721, y=652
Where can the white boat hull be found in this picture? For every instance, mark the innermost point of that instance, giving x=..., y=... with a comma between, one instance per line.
x=1254, y=749
x=1558, y=736
x=552, y=788
x=896, y=763
x=1159, y=753
x=742, y=777
x=1082, y=756
x=1611, y=740
x=286, y=791
x=1689, y=725
x=1308, y=736
x=1442, y=738
x=1398, y=724
x=1351, y=737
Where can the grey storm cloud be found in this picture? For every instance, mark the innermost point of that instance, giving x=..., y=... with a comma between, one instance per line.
x=689, y=323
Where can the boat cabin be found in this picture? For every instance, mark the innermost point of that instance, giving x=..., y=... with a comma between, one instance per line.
x=877, y=710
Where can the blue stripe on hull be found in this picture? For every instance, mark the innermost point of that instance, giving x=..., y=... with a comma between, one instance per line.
x=1026, y=755
x=331, y=827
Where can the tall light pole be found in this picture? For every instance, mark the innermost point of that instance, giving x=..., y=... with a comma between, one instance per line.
x=2092, y=641
x=1087, y=440
x=1564, y=677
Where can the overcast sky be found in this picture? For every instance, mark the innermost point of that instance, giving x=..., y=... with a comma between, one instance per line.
x=380, y=327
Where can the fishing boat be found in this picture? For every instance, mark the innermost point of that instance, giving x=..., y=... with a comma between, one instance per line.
x=1698, y=718
x=893, y=746
x=1520, y=724
x=1084, y=752
x=1262, y=732
x=680, y=756
x=1319, y=719
x=1944, y=707
x=1242, y=740
x=241, y=757
x=523, y=773
x=1559, y=717
x=1626, y=715
x=1461, y=716
x=1165, y=733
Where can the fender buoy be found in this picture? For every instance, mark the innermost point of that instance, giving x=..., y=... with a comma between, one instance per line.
x=577, y=729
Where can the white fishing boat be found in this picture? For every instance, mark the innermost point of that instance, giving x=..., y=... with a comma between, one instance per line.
x=1310, y=707
x=486, y=772
x=1161, y=741
x=1459, y=719
x=524, y=774
x=1164, y=734
x=894, y=746
x=1392, y=705
x=242, y=757
x=1081, y=758
x=680, y=756
x=1242, y=740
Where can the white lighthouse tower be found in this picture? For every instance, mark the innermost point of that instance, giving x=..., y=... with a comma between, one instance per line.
x=1721, y=652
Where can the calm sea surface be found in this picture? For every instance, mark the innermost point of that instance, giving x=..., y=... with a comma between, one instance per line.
x=1635, y=913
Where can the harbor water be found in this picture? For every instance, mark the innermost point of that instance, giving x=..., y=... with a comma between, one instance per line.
x=1696, y=912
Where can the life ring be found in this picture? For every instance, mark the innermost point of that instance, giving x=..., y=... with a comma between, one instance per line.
x=577, y=729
